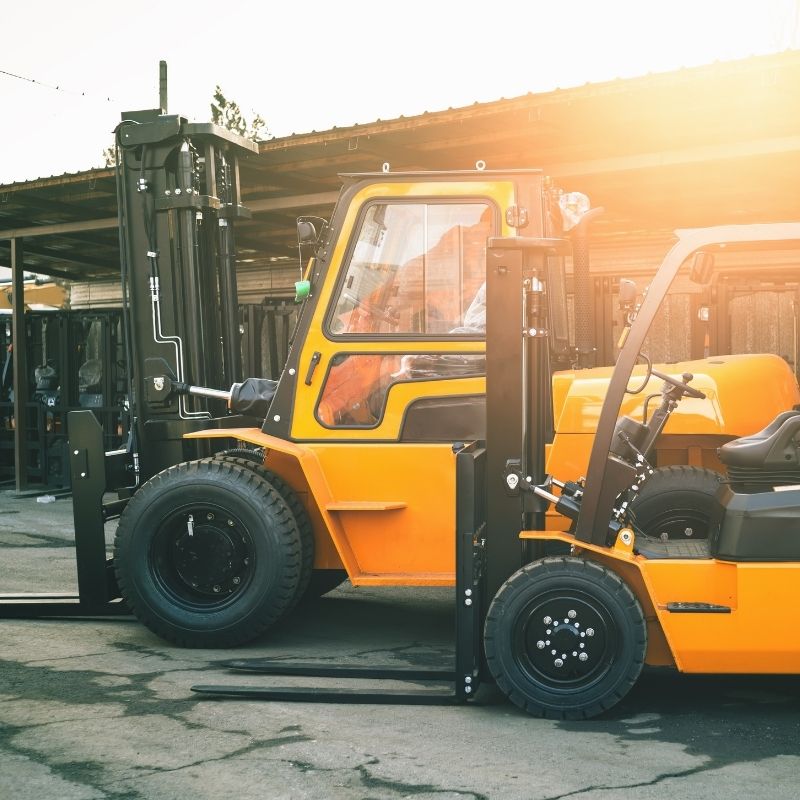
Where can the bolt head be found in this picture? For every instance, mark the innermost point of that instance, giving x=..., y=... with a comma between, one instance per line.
x=468, y=602
x=467, y=690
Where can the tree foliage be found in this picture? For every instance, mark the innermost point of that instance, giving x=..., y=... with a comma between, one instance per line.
x=227, y=113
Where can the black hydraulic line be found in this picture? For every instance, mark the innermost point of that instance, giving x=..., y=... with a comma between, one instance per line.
x=122, y=215
x=227, y=286
x=188, y=240
x=536, y=388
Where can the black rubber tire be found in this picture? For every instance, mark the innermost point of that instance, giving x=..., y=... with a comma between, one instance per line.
x=254, y=454
x=603, y=620
x=677, y=501
x=295, y=506
x=231, y=580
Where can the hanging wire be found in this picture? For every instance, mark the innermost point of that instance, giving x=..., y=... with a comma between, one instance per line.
x=49, y=85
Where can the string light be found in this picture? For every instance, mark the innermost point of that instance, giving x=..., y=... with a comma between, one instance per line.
x=46, y=85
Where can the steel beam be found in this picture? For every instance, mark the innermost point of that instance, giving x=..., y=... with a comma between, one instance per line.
x=20, y=365
x=59, y=228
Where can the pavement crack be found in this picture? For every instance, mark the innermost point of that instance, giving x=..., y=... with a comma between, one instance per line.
x=409, y=789
x=262, y=744
x=640, y=785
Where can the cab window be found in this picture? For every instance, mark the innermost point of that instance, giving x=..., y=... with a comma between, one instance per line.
x=416, y=269
x=357, y=385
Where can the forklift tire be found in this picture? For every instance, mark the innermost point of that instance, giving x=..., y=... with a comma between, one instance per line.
x=295, y=506
x=207, y=554
x=676, y=502
x=565, y=638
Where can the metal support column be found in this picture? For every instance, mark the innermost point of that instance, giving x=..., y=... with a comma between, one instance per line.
x=20, y=365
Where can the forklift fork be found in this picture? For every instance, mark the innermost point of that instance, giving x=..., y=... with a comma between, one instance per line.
x=98, y=595
x=465, y=676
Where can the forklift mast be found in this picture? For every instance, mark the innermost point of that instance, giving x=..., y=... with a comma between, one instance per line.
x=178, y=187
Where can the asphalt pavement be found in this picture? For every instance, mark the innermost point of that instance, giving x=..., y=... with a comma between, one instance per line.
x=103, y=709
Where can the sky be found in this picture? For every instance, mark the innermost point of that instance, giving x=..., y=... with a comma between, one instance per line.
x=315, y=65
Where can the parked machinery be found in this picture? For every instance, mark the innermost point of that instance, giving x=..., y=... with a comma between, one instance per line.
x=76, y=360
x=406, y=440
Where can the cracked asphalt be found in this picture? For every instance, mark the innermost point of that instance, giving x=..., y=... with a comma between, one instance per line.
x=103, y=709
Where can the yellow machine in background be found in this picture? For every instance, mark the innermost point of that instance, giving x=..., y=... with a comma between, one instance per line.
x=48, y=294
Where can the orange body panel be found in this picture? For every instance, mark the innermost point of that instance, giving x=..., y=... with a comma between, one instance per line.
x=757, y=636
x=729, y=382
x=388, y=510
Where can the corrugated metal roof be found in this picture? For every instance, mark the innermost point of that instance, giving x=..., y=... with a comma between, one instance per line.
x=690, y=147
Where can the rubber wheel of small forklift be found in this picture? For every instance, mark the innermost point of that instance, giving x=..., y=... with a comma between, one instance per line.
x=565, y=638
x=676, y=502
x=208, y=554
x=241, y=457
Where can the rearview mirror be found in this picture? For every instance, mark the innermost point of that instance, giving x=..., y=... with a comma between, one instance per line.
x=702, y=267
x=306, y=232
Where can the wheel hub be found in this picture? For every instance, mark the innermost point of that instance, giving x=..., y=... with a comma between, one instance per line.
x=203, y=554
x=564, y=640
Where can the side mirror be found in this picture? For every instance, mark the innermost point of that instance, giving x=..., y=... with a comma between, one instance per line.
x=702, y=267
x=306, y=232
x=627, y=294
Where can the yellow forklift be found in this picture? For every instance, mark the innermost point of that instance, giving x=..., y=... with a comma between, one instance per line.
x=566, y=635
x=409, y=437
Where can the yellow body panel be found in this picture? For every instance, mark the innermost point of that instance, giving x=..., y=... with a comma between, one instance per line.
x=730, y=383
x=757, y=636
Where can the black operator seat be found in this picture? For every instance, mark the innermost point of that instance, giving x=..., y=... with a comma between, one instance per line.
x=776, y=446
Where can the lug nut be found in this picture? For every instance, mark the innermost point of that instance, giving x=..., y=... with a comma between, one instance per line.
x=583, y=657
x=540, y=644
x=590, y=631
x=572, y=614
x=547, y=620
x=558, y=662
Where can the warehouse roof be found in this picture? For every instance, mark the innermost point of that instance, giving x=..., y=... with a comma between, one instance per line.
x=719, y=143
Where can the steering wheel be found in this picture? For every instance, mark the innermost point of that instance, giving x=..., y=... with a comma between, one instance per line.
x=371, y=310
x=682, y=386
